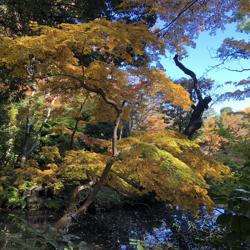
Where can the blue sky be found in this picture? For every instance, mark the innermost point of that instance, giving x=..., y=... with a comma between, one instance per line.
x=201, y=59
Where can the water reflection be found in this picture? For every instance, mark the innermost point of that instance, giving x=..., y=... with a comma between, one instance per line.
x=116, y=229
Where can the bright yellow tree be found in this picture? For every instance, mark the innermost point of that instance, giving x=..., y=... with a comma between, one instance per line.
x=99, y=57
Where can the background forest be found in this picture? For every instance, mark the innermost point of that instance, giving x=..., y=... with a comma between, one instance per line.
x=91, y=124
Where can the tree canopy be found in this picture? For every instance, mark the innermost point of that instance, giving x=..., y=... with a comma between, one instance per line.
x=70, y=66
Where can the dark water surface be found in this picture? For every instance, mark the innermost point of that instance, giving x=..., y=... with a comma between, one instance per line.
x=139, y=227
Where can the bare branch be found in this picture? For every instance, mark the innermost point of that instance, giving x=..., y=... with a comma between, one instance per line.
x=237, y=70
x=186, y=7
x=98, y=91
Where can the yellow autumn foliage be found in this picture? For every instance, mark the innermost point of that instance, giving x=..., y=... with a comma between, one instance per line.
x=47, y=174
x=54, y=56
x=79, y=164
x=162, y=162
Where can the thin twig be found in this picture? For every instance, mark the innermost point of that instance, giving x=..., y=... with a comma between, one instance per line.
x=186, y=7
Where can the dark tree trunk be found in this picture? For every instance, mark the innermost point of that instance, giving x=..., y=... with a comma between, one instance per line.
x=195, y=121
x=27, y=134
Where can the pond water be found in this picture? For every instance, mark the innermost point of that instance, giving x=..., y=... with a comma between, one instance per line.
x=140, y=226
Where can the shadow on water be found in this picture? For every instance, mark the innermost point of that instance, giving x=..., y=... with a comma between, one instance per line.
x=139, y=227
